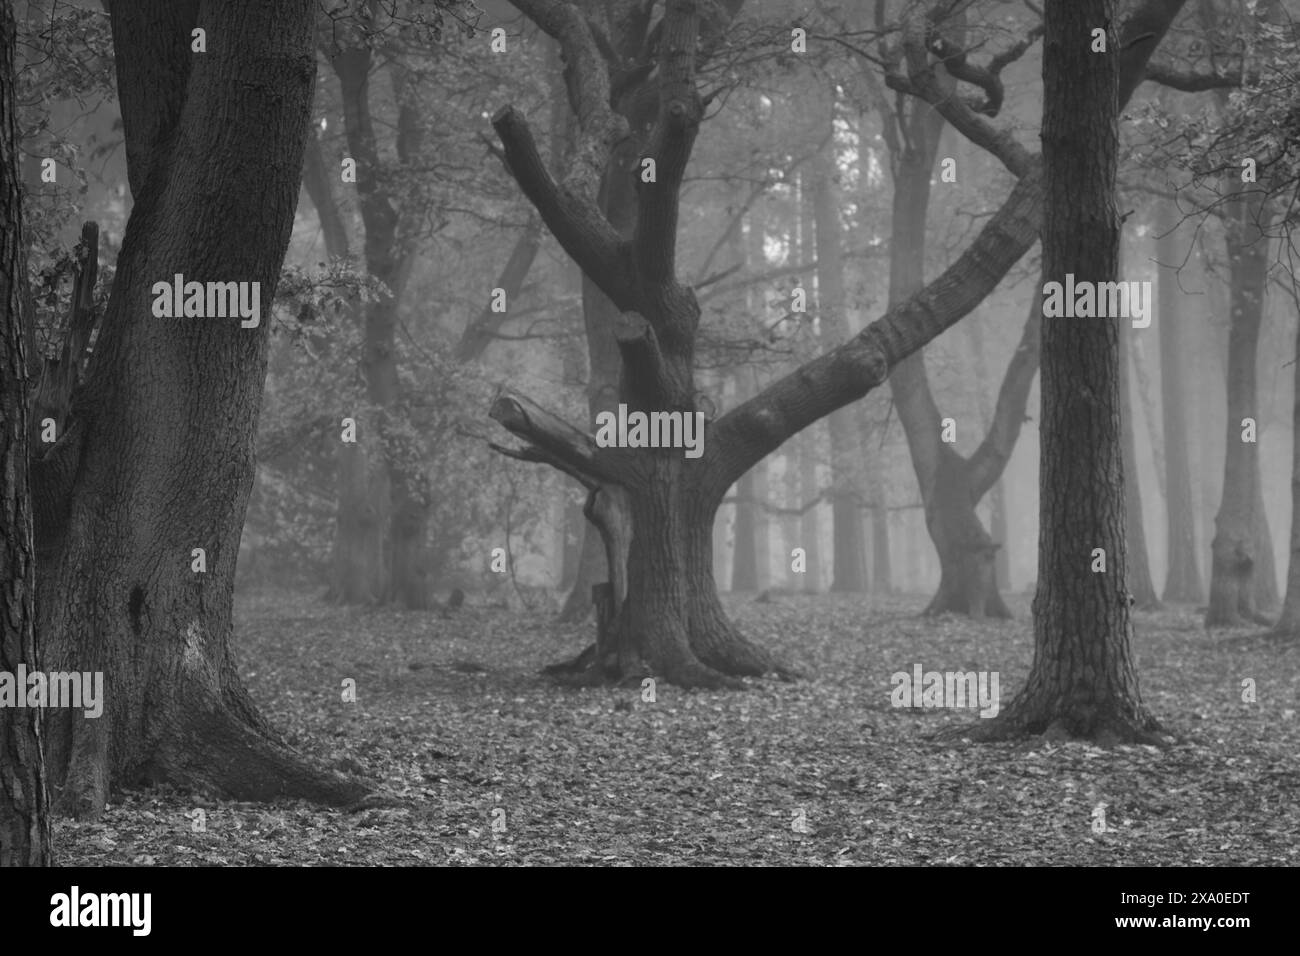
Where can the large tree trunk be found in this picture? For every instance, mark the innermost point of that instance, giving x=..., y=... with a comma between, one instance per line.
x=158, y=458
x=618, y=202
x=24, y=818
x=1082, y=681
x=1183, y=581
x=1234, y=552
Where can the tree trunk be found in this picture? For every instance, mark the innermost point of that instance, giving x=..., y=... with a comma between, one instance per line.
x=1234, y=553
x=618, y=203
x=1082, y=681
x=998, y=527
x=24, y=816
x=319, y=184
x=967, y=554
x=849, y=562
x=359, y=573
x=1183, y=582
x=882, y=575
x=807, y=489
x=1140, y=584
x=158, y=458
x=385, y=479
x=1266, y=596
x=1289, y=622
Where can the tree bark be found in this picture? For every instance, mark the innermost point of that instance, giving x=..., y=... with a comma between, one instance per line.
x=1082, y=681
x=24, y=810
x=161, y=437
x=1234, y=552
x=1183, y=581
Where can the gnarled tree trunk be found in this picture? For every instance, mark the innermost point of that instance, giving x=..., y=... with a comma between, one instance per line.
x=157, y=459
x=672, y=620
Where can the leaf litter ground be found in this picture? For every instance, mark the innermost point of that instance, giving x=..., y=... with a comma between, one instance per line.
x=477, y=759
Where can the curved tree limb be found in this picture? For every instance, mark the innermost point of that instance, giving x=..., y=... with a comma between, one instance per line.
x=751, y=431
x=554, y=439
x=573, y=218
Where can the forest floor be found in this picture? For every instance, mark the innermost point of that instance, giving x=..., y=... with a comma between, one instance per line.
x=488, y=762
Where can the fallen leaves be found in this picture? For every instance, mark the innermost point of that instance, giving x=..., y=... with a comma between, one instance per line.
x=600, y=777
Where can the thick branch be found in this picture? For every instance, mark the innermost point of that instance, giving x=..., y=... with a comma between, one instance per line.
x=922, y=82
x=654, y=241
x=644, y=371
x=569, y=210
x=573, y=218
x=532, y=453
x=586, y=75
x=987, y=78
x=750, y=432
x=553, y=436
